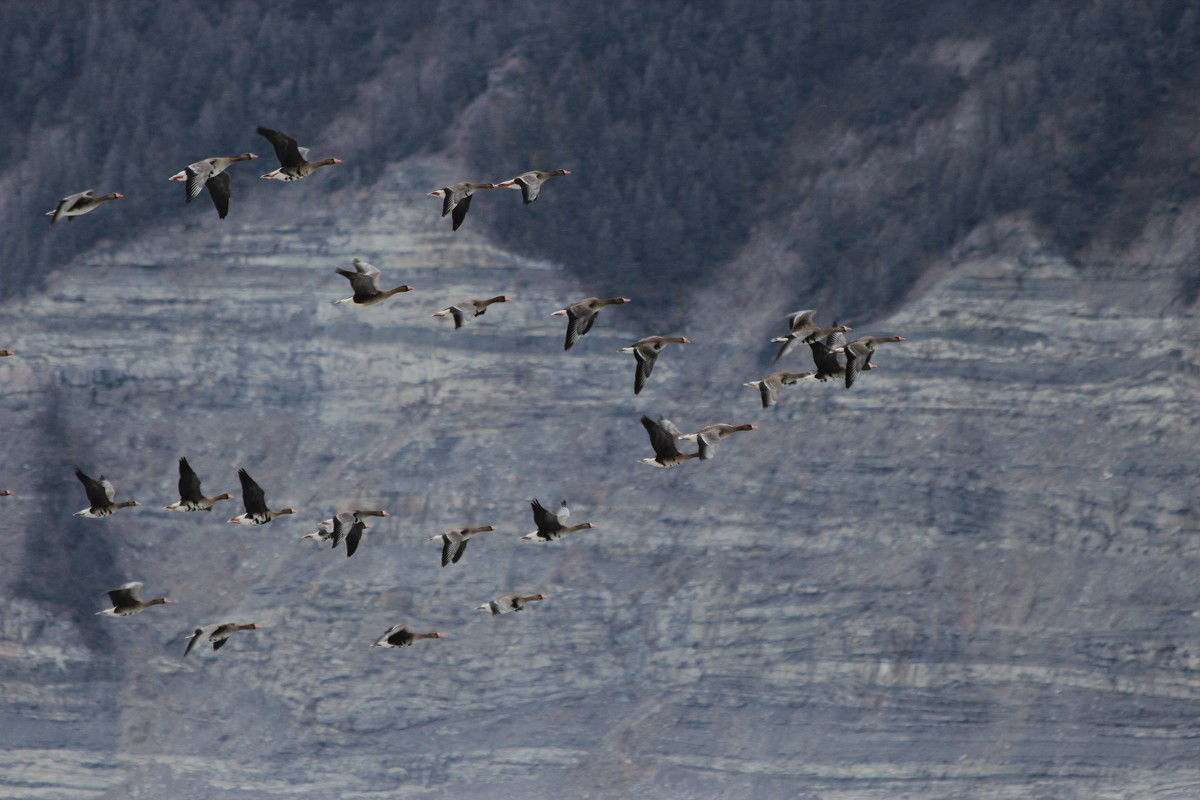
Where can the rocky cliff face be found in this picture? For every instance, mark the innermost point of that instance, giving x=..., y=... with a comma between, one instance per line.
x=969, y=575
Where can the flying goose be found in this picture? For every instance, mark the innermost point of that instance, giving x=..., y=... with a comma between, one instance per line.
x=801, y=328
x=509, y=602
x=530, y=183
x=454, y=543
x=255, y=502
x=582, y=315
x=365, y=283
x=401, y=636
x=348, y=526
x=190, y=496
x=100, y=497
x=125, y=601
x=859, y=352
x=770, y=385
x=663, y=438
x=468, y=310
x=646, y=352
x=708, y=438
x=550, y=524
x=219, y=636
x=293, y=159
x=210, y=173
x=75, y=204
x=457, y=198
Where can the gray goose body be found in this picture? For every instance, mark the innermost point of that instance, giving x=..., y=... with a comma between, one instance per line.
x=347, y=526
x=646, y=351
x=509, y=602
x=100, y=497
x=664, y=437
x=255, y=502
x=530, y=183
x=454, y=543
x=581, y=316
x=76, y=204
x=401, y=636
x=802, y=330
x=770, y=385
x=210, y=174
x=219, y=636
x=191, y=498
x=364, y=280
x=859, y=352
x=708, y=438
x=456, y=200
x=293, y=159
x=550, y=524
x=468, y=310
x=126, y=602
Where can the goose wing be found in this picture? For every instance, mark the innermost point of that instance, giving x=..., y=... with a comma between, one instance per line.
x=646, y=355
x=544, y=518
x=856, y=362
x=197, y=175
x=286, y=149
x=825, y=359
x=531, y=187
x=189, y=483
x=218, y=189
x=96, y=494
x=580, y=319
x=195, y=637
x=125, y=594
x=459, y=212
x=663, y=437
x=253, y=497
x=353, y=537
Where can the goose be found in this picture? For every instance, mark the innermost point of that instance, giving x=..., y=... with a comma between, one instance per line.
x=550, y=524
x=365, y=283
x=708, y=438
x=401, y=636
x=220, y=635
x=210, y=174
x=457, y=198
x=530, y=183
x=75, y=204
x=323, y=533
x=345, y=526
x=859, y=352
x=190, y=496
x=125, y=601
x=454, y=543
x=663, y=438
x=801, y=328
x=509, y=602
x=770, y=385
x=100, y=497
x=293, y=159
x=348, y=526
x=582, y=315
x=255, y=502
x=646, y=352
x=468, y=310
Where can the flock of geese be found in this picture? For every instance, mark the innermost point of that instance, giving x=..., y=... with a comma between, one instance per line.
x=834, y=358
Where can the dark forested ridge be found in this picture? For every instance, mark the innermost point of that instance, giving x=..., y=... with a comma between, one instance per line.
x=869, y=135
